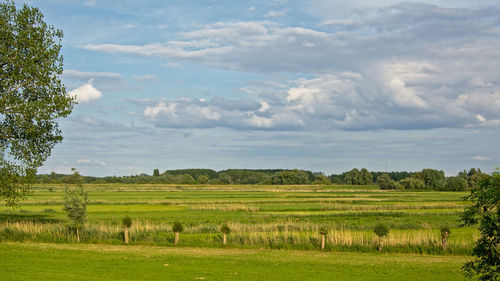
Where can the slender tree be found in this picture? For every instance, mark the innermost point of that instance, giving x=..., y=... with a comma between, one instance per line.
x=323, y=233
x=127, y=223
x=445, y=234
x=381, y=230
x=177, y=228
x=225, y=231
x=75, y=205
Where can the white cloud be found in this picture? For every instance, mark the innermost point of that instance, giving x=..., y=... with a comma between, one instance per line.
x=87, y=162
x=481, y=158
x=405, y=66
x=86, y=75
x=272, y=14
x=147, y=77
x=86, y=93
x=129, y=26
x=90, y=3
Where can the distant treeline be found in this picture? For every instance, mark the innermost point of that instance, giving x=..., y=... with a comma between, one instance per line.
x=425, y=179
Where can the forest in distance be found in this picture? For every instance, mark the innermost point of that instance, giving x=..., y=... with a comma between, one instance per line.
x=427, y=179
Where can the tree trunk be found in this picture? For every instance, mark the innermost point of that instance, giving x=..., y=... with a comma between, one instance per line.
x=176, y=240
x=379, y=245
x=125, y=234
x=224, y=239
x=77, y=235
x=445, y=241
x=323, y=240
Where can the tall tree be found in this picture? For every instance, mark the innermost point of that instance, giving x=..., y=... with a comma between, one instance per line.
x=32, y=97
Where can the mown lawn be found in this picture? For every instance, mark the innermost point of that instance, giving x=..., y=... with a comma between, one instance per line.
x=107, y=262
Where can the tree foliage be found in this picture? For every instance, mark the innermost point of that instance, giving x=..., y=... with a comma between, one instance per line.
x=177, y=227
x=225, y=229
x=411, y=183
x=291, y=177
x=485, y=212
x=32, y=97
x=156, y=173
x=434, y=179
x=455, y=184
x=385, y=182
x=127, y=222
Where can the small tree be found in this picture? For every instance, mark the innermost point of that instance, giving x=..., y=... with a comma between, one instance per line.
x=127, y=223
x=445, y=233
x=381, y=230
x=323, y=233
x=75, y=205
x=225, y=231
x=177, y=228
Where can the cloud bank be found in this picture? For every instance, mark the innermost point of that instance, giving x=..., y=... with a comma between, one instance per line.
x=406, y=66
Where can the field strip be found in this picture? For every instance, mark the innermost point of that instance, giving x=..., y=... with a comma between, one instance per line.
x=323, y=257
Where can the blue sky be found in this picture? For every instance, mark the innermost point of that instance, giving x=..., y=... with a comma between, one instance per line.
x=318, y=85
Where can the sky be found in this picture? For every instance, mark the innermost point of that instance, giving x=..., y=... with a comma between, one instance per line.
x=319, y=85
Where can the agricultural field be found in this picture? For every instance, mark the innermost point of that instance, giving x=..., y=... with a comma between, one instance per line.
x=264, y=221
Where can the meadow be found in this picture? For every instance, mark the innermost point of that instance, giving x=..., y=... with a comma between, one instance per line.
x=50, y=262
x=260, y=217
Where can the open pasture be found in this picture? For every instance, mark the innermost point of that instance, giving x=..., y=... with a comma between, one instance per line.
x=272, y=217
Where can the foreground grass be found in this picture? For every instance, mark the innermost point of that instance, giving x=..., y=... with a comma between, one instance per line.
x=106, y=262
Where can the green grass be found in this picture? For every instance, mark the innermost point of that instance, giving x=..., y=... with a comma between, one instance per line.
x=107, y=262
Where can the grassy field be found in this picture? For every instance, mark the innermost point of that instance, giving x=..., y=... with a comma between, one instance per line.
x=268, y=217
x=43, y=261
